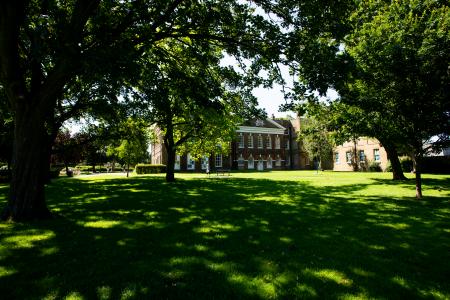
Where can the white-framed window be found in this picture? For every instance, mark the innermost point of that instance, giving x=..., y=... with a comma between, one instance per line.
x=362, y=156
x=269, y=162
x=250, y=141
x=205, y=162
x=278, y=161
x=241, y=161
x=250, y=162
x=218, y=160
x=241, y=140
x=190, y=162
x=376, y=155
x=177, y=162
x=348, y=157
x=287, y=144
x=336, y=157
x=277, y=142
x=269, y=142
x=260, y=141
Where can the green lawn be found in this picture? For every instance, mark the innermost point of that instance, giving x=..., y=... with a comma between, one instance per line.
x=281, y=235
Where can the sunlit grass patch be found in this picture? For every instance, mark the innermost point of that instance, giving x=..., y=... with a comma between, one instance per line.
x=6, y=272
x=29, y=240
x=330, y=275
x=101, y=224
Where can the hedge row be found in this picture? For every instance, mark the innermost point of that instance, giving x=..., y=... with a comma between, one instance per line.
x=100, y=169
x=149, y=169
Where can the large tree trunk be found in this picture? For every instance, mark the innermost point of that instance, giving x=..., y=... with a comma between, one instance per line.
x=30, y=168
x=418, y=171
x=397, y=171
x=170, y=167
x=169, y=144
x=355, y=155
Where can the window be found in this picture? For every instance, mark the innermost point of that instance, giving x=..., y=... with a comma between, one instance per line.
x=287, y=144
x=336, y=157
x=241, y=140
x=177, y=162
x=376, y=154
x=190, y=162
x=362, y=156
x=348, y=156
x=250, y=141
x=278, y=161
x=260, y=142
x=288, y=161
x=205, y=162
x=241, y=161
x=269, y=142
x=269, y=163
x=250, y=162
x=218, y=160
x=277, y=142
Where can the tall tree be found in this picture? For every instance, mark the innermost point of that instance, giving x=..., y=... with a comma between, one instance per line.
x=402, y=53
x=185, y=90
x=315, y=136
x=47, y=47
x=6, y=130
x=133, y=143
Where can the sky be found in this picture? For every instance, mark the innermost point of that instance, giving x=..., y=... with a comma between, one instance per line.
x=270, y=99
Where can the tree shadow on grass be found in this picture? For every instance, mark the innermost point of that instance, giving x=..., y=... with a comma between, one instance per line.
x=226, y=239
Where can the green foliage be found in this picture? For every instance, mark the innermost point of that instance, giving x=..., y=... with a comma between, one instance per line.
x=374, y=167
x=401, y=51
x=54, y=173
x=5, y=175
x=314, y=135
x=132, y=143
x=407, y=164
x=149, y=169
x=436, y=165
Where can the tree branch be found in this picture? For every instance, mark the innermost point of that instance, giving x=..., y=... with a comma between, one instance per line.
x=12, y=13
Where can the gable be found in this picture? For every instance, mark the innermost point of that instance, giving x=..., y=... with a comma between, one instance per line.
x=261, y=126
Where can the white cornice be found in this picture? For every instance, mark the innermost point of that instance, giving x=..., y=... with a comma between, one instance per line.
x=262, y=130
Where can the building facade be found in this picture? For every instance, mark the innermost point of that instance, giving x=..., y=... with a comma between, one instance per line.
x=259, y=145
x=363, y=152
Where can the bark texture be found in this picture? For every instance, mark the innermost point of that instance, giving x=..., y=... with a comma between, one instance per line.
x=418, y=171
x=397, y=171
x=169, y=144
x=30, y=168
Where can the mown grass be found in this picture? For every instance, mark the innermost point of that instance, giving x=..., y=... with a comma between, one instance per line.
x=277, y=235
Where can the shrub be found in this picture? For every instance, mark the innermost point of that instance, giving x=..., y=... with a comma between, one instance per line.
x=53, y=173
x=89, y=169
x=5, y=175
x=406, y=163
x=436, y=165
x=374, y=167
x=388, y=167
x=84, y=168
x=149, y=169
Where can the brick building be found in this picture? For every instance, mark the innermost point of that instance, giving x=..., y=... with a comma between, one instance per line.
x=367, y=150
x=259, y=145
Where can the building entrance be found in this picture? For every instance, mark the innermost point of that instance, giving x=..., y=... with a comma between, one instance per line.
x=260, y=165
